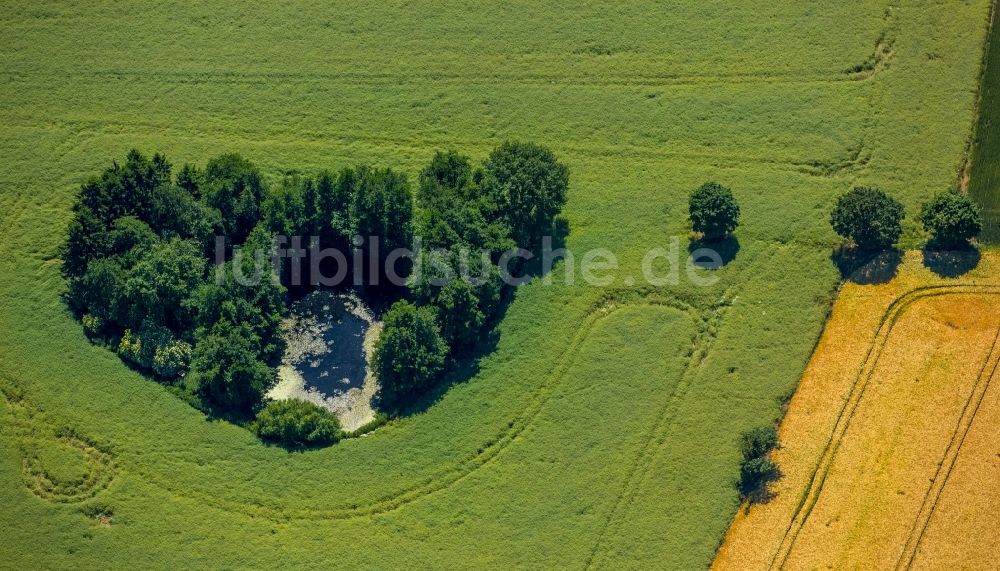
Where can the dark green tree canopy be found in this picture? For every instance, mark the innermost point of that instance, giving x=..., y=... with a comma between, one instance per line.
x=233, y=186
x=952, y=218
x=226, y=370
x=527, y=187
x=410, y=353
x=713, y=211
x=382, y=206
x=144, y=277
x=868, y=217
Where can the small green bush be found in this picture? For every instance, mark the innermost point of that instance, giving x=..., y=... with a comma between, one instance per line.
x=130, y=347
x=172, y=359
x=297, y=424
x=92, y=325
x=756, y=469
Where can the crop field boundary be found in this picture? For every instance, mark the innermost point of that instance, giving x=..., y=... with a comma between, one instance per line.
x=705, y=320
x=817, y=478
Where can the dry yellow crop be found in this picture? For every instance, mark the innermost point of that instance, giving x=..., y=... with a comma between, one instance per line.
x=888, y=451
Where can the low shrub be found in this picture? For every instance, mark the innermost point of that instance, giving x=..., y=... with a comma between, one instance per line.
x=296, y=423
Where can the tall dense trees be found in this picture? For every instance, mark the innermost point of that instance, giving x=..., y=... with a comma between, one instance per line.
x=144, y=275
x=527, y=187
x=952, y=219
x=410, y=352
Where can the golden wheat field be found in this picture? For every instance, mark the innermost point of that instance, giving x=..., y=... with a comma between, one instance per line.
x=888, y=451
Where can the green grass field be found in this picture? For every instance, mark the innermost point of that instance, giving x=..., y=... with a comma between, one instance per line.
x=603, y=429
x=984, y=178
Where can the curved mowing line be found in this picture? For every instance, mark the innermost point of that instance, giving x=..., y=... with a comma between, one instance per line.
x=487, y=452
x=969, y=411
x=644, y=459
x=29, y=427
x=814, y=487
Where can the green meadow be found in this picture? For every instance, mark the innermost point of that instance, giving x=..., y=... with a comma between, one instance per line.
x=602, y=430
x=984, y=178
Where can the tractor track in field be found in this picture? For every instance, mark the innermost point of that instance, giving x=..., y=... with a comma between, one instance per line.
x=846, y=161
x=488, y=451
x=952, y=452
x=657, y=433
x=817, y=478
x=861, y=72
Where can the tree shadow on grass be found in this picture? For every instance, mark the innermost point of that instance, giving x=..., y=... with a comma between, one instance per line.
x=867, y=267
x=762, y=493
x=953, y=262
x=463, y=367
x=460, y=370
x=725, y=250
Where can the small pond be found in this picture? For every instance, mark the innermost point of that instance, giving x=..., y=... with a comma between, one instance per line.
x=330, y=337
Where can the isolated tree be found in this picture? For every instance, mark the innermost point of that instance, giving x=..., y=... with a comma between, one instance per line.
x=758, y=441
x=756, y=468
x=527, y=187
x=952, y=218
x=295, y=423
x=410, y=352
x=713, y=211
x=868, y=217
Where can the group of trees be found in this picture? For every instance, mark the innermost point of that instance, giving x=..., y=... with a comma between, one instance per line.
x=137, y=264
x=144, y=276
x=872, y=220
x=467, y=218
x=867, y=216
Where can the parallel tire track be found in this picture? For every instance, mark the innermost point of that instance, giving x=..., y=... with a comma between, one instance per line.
x=817, y=478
